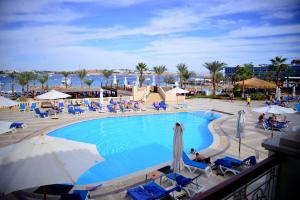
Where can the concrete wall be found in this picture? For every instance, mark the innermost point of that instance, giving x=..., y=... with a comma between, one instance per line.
x=170, y=98
x=138, y=92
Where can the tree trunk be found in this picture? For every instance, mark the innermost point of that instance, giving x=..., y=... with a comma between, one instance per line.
x=66, y=82
x=243, y=89
x=158, y=79
x=13, y=87
x=23, y=90
x=81, y=83
x=47, y=87
x=214, y=86
x=43, y=89
x=27, y=89
x=277, y=78
x=34, y=88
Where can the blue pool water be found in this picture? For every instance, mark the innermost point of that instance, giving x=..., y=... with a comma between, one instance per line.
x=130, y=144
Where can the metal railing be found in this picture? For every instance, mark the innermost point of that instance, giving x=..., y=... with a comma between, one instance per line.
x=255, y=183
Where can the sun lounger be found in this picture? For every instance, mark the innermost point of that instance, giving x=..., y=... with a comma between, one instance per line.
x=156, y=106
x=40, y=114
x=79, y=194
x=110, y=108
x=150, y=191
x=22, y=107
x=190, y=186
x=194, y=166
x=280, y=126
x=5, y=127
x=61, y=106
x=163, y=105
x=232, y=166
x=33, y=106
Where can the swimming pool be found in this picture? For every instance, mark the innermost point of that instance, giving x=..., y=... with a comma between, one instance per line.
x=130, y=144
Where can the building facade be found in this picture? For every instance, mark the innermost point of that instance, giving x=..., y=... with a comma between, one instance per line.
x=291, y=76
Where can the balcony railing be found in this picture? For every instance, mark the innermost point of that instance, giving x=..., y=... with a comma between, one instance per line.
x=255, y=183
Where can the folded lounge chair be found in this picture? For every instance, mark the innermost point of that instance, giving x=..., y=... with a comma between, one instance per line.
x=190, y=186
x=232, y=166
x=193, y=166
x=150, y=191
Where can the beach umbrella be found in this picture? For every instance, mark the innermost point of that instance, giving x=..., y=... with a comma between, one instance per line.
x=115, y=80
x=177, y=148
x=257, y=83
x=153, y=80
x=278, y=94
x=240, y=127
x=294, y=91
x=5, y=102
x=44, y=160
x=52, y=95
x=101, y=95
x=274, y=109
x=177, y=90
x=176, y=84
x=125, y=81
x=137, y=82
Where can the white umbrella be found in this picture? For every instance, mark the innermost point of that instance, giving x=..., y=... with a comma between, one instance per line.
x=137, y=82
x=177, y=90
x=294, y=91
x=153, y=80
x=115, y=80
x=125, y=81
x=52, y=94
x=240, y=127
x=279, y=94
x=5, y=102
x=101, y=95
x=177, y=148
x=176, y=84
x=44, y=160
x=274, y=109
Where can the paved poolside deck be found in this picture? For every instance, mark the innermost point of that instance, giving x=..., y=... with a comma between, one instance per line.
x=223, y=130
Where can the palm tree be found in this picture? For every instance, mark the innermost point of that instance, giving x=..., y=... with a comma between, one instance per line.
x=46, y=78
x=66, y=74
x=214, y=67
x=277, y=66
x=107, y=73
x=187, y=75
x=182, y=68
x=42, y=80
x=89, y=82
x=141, y=67
x=34, y=77
x=22, y=80
x=28, y=76
x=169, y=79
x=159, y=70
x=81, y=74
x=244, y=73
x=13, y=75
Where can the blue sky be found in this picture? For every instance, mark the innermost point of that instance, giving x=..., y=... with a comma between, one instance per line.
x=74, y=34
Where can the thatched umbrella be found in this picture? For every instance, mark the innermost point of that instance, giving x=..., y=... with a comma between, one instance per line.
x=256, y=83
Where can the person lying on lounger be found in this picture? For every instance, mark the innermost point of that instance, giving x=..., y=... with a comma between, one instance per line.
x=201, y=158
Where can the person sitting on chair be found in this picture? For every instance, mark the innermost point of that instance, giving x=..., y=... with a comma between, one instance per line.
x=261, y=118
x=201, y=158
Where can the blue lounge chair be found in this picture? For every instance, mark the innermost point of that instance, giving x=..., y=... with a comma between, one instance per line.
x=193, y=166
x=156, y=106
x=86, y=102
x=91, y=108
x=78, y=110
x=110, y=108
x=17, y=125
x=61, y=106
x=189, y=185
x=163, y=105
x=232, y=166
x=113, y=102
x=40, y=114
x=33, y=106
x=279, y=126
x=22, y=107
x=150, y=191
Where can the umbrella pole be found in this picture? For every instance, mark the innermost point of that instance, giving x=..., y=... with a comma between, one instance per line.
x=240, y=140
x=272, y=130
x=45, y=192
x=177, y=98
